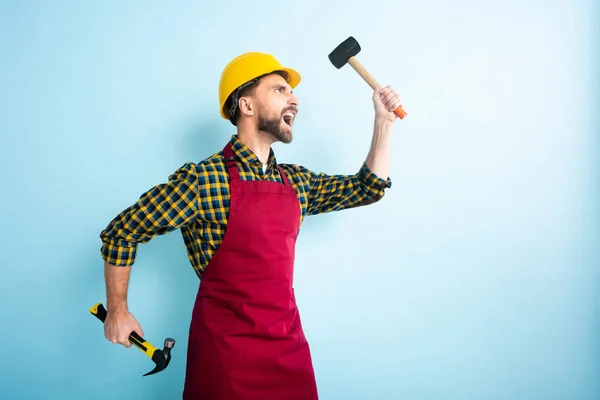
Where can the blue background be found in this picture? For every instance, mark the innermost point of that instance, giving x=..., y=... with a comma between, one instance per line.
x=476, y=277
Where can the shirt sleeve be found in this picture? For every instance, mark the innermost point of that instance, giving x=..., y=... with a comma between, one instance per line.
x=340, y=192
x=162, y=209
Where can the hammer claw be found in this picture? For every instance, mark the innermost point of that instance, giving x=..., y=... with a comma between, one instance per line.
x=155, y=370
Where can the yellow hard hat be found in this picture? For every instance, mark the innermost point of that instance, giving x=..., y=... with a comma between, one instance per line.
x=246, y=68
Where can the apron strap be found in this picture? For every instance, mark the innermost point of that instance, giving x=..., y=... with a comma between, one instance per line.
x=234, y=173
x=286, y=182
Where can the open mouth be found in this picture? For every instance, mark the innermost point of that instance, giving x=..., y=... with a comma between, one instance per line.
x=288, y=118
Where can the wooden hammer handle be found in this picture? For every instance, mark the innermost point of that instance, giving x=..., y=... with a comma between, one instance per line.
x=372, y=82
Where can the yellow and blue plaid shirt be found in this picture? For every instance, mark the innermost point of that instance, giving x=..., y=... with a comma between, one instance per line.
x=195, y=199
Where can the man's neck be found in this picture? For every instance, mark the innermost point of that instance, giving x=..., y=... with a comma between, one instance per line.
x=257, y=143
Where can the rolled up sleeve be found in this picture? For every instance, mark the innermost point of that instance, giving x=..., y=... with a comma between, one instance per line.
x=160, y=210
x=374, y=185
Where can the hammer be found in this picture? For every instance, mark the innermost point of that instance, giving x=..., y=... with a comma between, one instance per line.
x=344, y=53
x=160, y=357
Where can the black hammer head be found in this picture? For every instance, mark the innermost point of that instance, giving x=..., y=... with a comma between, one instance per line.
x=341, y=54
x=162, y=357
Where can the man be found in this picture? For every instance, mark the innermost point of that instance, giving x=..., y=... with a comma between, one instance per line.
x=240, y=212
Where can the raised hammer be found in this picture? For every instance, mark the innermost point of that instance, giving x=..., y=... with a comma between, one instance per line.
x=160, y=357
x=346, y=52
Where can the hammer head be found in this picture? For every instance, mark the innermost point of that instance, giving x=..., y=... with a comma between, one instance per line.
x=341, y=54
x=162, y=357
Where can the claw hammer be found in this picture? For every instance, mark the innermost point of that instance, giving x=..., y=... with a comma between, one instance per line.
x=160, y=357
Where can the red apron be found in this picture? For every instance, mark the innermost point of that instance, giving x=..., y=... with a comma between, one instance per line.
x=246, y=341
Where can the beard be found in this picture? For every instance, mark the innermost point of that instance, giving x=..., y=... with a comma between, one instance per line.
x=276, y=127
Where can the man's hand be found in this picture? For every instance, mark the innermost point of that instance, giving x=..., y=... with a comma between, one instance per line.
x=385, y=100
x=119, y=325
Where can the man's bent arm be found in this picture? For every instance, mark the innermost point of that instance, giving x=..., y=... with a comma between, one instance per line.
x=162, y=209
x=328, y=193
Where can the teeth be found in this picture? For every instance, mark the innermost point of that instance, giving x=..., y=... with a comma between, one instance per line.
x=289, y=114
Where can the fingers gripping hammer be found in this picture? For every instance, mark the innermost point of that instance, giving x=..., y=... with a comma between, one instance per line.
x=160, y=357
x=346, y=52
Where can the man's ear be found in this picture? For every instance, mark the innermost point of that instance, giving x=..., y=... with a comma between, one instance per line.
x=245, y=106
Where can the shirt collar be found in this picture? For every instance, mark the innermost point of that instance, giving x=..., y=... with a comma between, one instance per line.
x=246, y=156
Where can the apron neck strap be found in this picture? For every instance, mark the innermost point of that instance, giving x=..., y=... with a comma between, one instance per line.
x=234, y=173
x=284, y=177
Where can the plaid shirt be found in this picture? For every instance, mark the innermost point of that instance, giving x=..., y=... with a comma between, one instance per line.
x=195, y=199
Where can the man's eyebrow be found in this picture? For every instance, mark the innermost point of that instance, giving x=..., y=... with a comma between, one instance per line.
x=280, y=86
